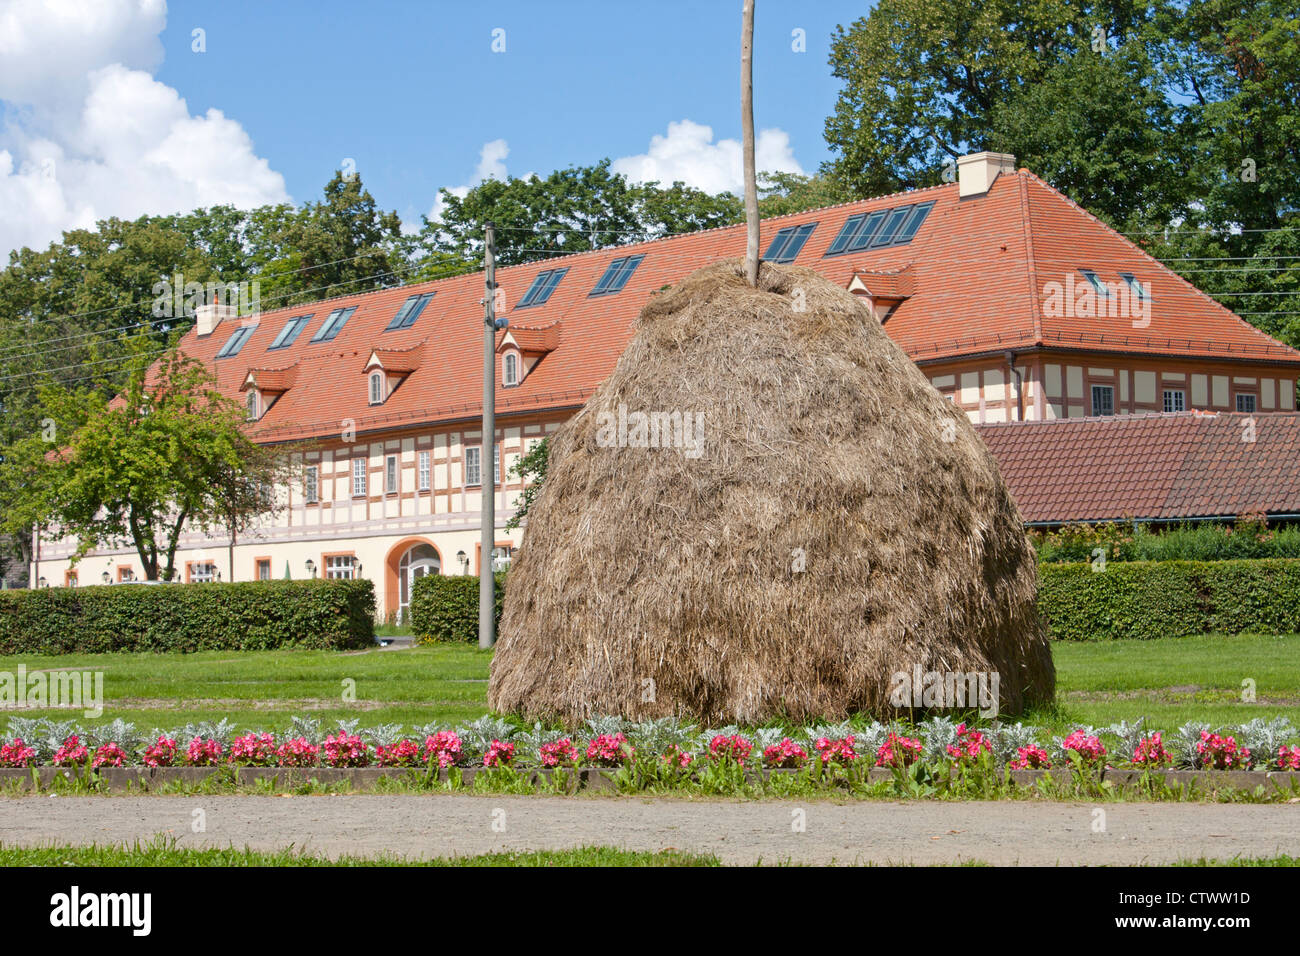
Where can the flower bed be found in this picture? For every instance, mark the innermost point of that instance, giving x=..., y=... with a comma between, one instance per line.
x=633, y=755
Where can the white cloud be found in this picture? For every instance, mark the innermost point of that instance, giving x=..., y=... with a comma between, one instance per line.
x=92, y=134
x=491, y=165
x=688, y=154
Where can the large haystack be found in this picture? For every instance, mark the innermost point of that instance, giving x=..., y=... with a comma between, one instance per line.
x=839, y=522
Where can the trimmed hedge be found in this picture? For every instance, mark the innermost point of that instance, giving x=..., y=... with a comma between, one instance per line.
x=1150, y=599
x=1130, y=599
x=244, y=616
x=445, y=609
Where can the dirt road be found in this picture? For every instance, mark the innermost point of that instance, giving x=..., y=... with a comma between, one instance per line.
x=738, y=832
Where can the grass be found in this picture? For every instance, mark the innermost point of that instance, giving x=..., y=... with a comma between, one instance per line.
x=1170, y=681
x=163, y=851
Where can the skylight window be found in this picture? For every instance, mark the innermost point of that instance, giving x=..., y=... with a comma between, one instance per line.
x=913, y=223
x=616, y=276
x=876, y=230
x=1095, y=281
x=409, y=312
x=542, y=288
x=787, y=243
x=1135, y=285
x=290, y=332
x=891, y=227
x=236, y=341
x=334, y=323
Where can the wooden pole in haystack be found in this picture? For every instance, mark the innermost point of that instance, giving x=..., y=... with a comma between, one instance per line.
x=487, y=623
x=747, y=133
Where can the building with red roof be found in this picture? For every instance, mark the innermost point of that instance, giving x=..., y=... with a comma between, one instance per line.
x=1015, y=302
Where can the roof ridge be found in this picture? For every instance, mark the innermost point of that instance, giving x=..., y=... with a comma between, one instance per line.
x=1031, y=263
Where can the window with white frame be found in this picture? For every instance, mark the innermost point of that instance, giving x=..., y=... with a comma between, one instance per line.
x=311, y=484
x=1175, y=400
x=496, y=464
x=341, y=566
x=203, y=571
x=510, y=369
x=252, y=406
x=390, y=475
x=358, y=477
x=377, y=388
x=473, y=466
x=423, y=470
x=1246, y=402
x=1103, y=400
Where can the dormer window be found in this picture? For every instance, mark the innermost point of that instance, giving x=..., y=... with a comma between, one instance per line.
x=510, y=369
x=377, y=388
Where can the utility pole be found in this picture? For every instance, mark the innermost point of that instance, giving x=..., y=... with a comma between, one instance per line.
x=487, y=623
x=747, y=133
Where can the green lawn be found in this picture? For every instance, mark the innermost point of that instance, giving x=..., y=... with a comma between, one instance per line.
x=164, y=852
x=1170, y=681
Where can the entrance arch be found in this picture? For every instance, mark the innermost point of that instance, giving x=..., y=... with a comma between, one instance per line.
x=408, y=561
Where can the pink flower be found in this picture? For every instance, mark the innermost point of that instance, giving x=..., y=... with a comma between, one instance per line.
x=970, y=744
x=1288, y=758
x=108, y=755
x=16, y=754
x=898, y=751
x=405, y=753
x=561, y=753
x=203, y=753
x=1032, y=757
x=785, y=754
x=1089, y=748
x=444, y=746
x=835, y=751
x=161, y=754
x=298, y=753
x=346, y=750
x=609, y=750
x=72, y=754
x=735, y=748
x=1221, y=753
x=499, y=754
x=678, y=757
x=253, y=750
x=1151, y=752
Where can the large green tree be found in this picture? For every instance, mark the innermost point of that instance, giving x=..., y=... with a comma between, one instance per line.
x=168, y=453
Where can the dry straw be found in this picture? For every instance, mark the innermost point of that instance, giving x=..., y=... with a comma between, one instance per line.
x=842, y=522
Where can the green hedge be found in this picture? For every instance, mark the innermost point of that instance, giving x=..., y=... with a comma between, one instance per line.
x=445, y=609
x=246, y=616
x=1169, y=598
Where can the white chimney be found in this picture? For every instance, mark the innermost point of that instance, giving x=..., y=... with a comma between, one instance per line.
x=976, y=172
x=208, y=317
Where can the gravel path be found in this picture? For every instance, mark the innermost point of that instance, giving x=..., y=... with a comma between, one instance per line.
x=738, y=832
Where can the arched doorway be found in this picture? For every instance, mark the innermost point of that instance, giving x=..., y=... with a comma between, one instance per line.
x=415, y=562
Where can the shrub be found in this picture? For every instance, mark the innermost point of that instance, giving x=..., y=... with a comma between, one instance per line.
x=1169, y=599
x=1250, y=537
x=251, y=615
x=445, y=609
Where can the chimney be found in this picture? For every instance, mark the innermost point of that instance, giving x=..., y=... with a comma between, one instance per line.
x=207, y=317
x=976, y=172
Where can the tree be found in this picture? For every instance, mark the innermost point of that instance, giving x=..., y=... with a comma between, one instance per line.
x=571, y=210
x=167, y=453
x=531, y=468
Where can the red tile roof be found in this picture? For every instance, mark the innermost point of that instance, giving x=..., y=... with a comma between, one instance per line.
x=1159, y=467
x=974, y=273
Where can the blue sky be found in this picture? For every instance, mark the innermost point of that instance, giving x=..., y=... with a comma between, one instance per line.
x=412, y=91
